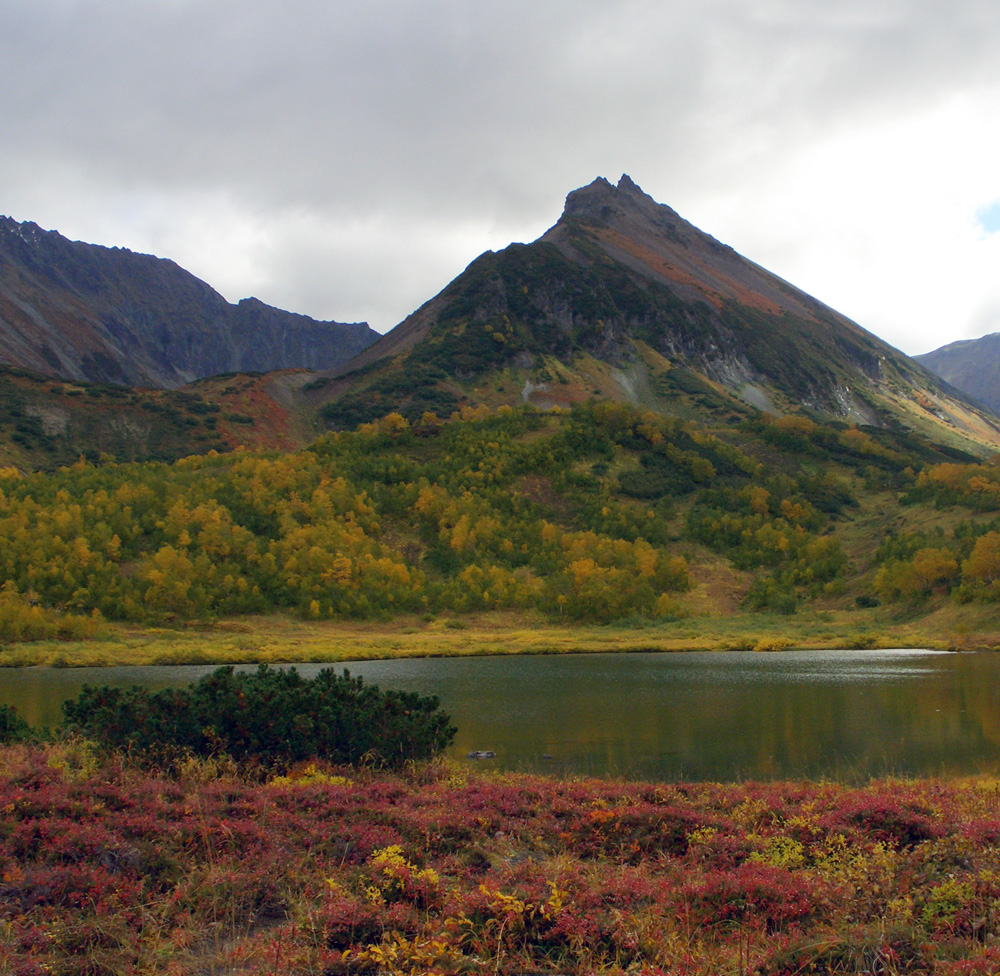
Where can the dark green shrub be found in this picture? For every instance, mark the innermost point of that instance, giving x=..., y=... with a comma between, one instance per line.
x=770, y=595
x=269, y=716
x=13, y=728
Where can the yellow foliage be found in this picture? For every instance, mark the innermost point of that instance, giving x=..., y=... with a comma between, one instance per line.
x=983, y=564
x=310, y=775
x=759, y=499
x=781, y=852
x=795, y=424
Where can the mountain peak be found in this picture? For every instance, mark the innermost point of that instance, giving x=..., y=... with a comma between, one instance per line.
x=628, y=185
x=27, y=231
x=605, y=203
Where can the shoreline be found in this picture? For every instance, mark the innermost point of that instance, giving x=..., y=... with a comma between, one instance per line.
x=277, y=639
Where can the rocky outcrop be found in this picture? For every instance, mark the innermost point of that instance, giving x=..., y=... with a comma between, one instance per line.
x=85, y=312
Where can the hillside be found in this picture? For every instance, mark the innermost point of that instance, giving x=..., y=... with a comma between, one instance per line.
x=107, y=315
x=47, y=423
x=735, y=449
x=623, y=299
x=605, y=514
x=970, y=365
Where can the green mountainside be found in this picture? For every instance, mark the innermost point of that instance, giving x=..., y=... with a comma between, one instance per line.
x=602, y=514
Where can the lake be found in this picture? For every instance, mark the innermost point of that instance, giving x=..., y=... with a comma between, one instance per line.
x=702, y=715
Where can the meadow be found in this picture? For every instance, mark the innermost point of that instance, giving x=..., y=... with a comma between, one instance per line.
x=107, y=867
x=281, y=638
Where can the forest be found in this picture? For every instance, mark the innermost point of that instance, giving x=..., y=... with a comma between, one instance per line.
x=603, y=514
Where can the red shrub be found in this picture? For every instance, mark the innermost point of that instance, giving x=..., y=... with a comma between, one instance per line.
x=756, y=893
x=894, y=820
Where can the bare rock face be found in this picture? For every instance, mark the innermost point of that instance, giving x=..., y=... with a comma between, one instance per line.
x=85, y=312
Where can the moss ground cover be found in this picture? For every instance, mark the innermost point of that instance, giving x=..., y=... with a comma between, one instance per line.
x=109, y=868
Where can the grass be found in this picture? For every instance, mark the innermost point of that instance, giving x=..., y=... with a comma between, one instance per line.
x=273, y=638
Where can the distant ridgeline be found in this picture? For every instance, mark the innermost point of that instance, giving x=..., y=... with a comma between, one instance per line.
x=108, y=315
x=606, y=513
x=971, y=365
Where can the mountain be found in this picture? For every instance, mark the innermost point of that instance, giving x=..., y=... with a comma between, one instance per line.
x=108, y=315
x=624, y=299
x=736, y=446
x=971, y=365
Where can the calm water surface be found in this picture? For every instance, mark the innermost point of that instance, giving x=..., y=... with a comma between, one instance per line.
x=842, y=714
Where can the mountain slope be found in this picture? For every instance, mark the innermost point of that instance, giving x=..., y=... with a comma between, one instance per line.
x=970, y=365
x=47, y=423
x=622, y=298
x=108, y=315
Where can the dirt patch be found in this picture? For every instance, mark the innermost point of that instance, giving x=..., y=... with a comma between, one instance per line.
x=716, y=589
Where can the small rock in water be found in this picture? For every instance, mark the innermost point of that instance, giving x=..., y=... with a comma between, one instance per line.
x=481, y=754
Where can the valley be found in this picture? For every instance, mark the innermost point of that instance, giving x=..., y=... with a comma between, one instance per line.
x=624, y=428
x=622, y=438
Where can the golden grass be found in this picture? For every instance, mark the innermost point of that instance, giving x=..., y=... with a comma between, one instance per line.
x=272, y=639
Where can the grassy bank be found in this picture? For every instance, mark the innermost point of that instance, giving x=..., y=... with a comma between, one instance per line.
x=270, y=639
x=109, y=869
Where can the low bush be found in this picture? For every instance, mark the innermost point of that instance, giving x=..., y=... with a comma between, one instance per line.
x=439, y=869
x=13, y=728
x=269, y=716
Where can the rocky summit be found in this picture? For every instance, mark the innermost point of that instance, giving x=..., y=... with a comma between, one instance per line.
x=90, y=313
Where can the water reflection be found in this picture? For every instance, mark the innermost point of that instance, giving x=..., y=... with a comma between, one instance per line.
x=842, y=714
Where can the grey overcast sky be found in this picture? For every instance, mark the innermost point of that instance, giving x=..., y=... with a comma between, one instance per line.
x=347, y=159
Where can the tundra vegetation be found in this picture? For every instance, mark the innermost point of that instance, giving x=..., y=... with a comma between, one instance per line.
x=108, y=866
x=185, y=834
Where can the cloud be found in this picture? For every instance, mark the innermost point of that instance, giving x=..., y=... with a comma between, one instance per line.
x=347, y=159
